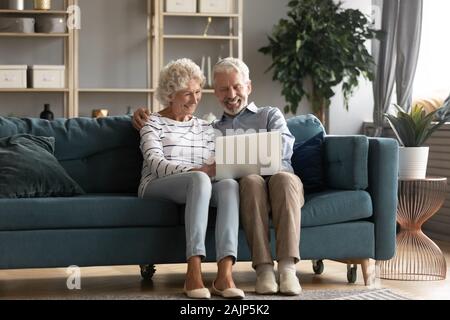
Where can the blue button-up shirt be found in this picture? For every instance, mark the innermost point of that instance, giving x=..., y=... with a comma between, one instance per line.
x=266, y=118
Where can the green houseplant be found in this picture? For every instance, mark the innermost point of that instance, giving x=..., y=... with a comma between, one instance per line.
x=322, y=43
x=412, y=129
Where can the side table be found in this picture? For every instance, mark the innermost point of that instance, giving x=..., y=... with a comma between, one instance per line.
x=417, y=257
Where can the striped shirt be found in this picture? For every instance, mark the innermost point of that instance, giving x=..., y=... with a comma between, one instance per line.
x=170, y=147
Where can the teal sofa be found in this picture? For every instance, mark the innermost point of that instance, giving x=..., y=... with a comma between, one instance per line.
x=353, y=219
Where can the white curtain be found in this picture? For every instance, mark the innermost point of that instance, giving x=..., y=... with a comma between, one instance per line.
x=396, y=55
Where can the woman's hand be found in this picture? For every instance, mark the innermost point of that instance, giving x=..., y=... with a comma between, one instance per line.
x=209, y=169
x=140, y=117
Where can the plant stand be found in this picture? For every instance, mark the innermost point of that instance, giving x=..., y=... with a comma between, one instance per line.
x=417, y=256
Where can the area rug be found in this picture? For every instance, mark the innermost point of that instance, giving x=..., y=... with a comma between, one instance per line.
x=356, y=294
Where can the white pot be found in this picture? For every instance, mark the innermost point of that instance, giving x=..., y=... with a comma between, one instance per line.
x=413, y=162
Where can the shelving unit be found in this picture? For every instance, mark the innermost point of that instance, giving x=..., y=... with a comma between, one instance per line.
x=69, y=51
x=82, y=92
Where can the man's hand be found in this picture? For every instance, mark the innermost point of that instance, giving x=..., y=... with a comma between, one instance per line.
x=140, y=117
x=209, y=169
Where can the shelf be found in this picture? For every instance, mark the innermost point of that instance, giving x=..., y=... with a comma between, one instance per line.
x=207, y=15
x=33, y=12
x=39, y=35
x=112, y=90
x=32, y=90
x=188, y=37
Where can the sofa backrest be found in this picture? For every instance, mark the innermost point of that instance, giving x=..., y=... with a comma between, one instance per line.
x=102, y=155
x=345, y=157
x=304, y=127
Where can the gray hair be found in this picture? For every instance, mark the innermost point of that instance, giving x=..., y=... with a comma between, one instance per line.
x=232, y=64
x=175, y=76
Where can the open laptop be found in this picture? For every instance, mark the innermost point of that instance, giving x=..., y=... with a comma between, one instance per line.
x=241, y=155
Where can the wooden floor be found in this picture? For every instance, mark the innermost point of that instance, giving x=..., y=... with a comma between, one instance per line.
x=111, y=281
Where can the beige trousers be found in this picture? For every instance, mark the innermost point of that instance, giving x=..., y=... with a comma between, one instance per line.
x=282, y=195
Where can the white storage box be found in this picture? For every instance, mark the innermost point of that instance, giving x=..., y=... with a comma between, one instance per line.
x=187, y=6
x=13, y=77
x=47, y=76
x=216, y=6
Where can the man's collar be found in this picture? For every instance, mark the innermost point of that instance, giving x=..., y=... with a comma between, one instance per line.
x=250, y=107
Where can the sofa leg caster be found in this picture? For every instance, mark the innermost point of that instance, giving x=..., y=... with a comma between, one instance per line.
x=318, y=266
x=147, y=271
x=352, y=273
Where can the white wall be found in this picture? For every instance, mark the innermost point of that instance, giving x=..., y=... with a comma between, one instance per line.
x=361, y=104
x=260, y=16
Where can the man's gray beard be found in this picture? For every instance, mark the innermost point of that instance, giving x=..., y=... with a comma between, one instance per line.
x=234, y=112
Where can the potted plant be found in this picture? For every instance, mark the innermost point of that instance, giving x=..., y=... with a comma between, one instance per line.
x=412, y=130
x=323, y=44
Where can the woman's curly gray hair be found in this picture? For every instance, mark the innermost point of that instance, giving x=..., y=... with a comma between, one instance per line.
x=175, y=76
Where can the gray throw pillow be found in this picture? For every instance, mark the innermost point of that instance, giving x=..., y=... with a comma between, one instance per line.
x=29, y=169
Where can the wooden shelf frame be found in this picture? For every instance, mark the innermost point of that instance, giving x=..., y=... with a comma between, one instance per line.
x=32, y=12
x=33, y=90
x=115, y=90
x=39, y=35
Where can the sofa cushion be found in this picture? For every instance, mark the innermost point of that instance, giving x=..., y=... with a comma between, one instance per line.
x=334, y=206
x=307, y=162
x=28, y=169
x=346, y=162
x=86, y=211
x=90, y=149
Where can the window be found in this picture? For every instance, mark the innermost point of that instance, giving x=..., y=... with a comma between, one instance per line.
x=433, y=70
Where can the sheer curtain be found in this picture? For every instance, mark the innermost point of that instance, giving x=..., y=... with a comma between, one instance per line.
x=396, y=55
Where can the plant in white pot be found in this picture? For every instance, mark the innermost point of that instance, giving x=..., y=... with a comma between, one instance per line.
x=412, y=130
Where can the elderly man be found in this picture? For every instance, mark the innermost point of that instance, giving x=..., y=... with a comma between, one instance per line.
x=280, y=194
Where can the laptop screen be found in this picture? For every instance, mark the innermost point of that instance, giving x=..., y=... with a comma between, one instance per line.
x=245, y=154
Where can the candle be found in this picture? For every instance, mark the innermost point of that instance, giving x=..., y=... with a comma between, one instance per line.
x=209, y=72
x=203, y=65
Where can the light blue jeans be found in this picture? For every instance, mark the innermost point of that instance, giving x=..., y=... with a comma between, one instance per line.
x=196, y=191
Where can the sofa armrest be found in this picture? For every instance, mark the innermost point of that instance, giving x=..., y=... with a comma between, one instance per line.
x=383, y=182
x=346, y=162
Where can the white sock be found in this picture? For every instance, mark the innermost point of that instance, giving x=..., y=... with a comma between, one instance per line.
x=286, y=265
x=265, y=267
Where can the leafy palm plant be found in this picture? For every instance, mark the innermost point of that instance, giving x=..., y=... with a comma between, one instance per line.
x=414, y=128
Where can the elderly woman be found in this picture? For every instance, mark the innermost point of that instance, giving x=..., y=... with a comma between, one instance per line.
x=177, y=147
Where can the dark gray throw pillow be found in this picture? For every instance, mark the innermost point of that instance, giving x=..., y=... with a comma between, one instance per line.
x=29, y=169
x=307, y=162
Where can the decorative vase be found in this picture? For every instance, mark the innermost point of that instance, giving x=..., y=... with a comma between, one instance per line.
x=413, y=162
x=47, y=113
x=42, y=4
x=100, y=113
